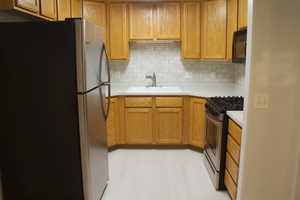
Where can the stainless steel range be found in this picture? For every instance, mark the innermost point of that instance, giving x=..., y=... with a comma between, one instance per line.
x=216, y=135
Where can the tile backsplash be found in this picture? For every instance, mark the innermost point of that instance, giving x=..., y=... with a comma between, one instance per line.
x=165, y=60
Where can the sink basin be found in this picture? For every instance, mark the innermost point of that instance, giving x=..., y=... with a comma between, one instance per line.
x=154, y=90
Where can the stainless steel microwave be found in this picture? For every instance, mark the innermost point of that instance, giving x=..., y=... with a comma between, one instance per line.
x=239, y=46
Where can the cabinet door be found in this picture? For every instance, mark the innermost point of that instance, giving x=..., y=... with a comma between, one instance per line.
x=118, y=39
x=191, y=30
x=214, y=29
x=168, y=21
x=76, y=8
x=141, y=21
x=31, y=5
x=48, y=9
x=197, y=120
x=64, y=9
x=113, y=123
x=95, y=12
x=243, y=13
x=168, y=124
x=232, y=20
x=138, y=125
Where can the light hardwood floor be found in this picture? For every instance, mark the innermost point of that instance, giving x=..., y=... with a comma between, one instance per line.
x=159, y=175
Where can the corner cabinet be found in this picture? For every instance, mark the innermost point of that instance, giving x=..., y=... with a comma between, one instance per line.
x=213, y=34
x=118, y=29
x=190, y=38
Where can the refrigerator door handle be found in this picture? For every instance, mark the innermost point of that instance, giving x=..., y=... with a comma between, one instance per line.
x=105, y=106
x=103, y=55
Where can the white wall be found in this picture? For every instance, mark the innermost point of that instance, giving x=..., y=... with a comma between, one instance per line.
x=271, y=136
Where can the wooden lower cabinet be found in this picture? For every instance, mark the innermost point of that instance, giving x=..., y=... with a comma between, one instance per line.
x=168, y=124
x=138, y=125
x=232, y=158
x=113, y=123
x=197, y=122
x=150, y=120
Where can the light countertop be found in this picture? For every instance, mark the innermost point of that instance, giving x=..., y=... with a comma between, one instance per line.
x=237, y=116
x=202, y=90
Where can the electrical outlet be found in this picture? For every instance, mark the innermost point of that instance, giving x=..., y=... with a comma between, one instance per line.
x=261, y=101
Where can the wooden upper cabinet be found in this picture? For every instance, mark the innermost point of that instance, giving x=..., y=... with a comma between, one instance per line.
x=138, y=126
x=197, y=118
x=191, y=26
x=95, y=12
x=243, y=13
x=30, y=5
x=214, y=18
x=64, y=9
x=76, y=8
x=141, y=21
x=168, y=125
x=168, y=21
x=232, y=20
x=118, y=40
x=48, y=9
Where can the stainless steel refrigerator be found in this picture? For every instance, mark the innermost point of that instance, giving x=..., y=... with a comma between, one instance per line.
x=57, y=93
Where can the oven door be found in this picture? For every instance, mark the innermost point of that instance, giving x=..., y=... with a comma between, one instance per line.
x=213, y=136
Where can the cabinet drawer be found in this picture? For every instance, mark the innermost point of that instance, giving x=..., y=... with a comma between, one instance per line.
x=169, y=101
x=235, y=131
x=230, y=185
x=144, y=102
x=232, y=168
x=233, y=149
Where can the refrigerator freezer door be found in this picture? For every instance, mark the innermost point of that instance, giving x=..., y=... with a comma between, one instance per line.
x=89, y=43
x=93, y=145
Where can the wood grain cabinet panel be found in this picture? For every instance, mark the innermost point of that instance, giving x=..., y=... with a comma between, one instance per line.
x=191, y=26
x=77, y=8
x=230, y=185
x=30, y=5
x=118, y=39
x=197, y=120
x=141, y=16
x=233, y=149
x=64, y=9
x=113, y=123
x=48, y=9
x=232, y=167
x=138, y=126
x=168, y=21
x=214, y=18
x=168, y=123
x=243, y=13
x=144, y=102
x=232, y=26
x=95, y=12
x=235, y=131
x=169, y=102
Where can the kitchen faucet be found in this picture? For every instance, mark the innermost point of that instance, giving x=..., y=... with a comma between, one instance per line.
x=153, y=78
